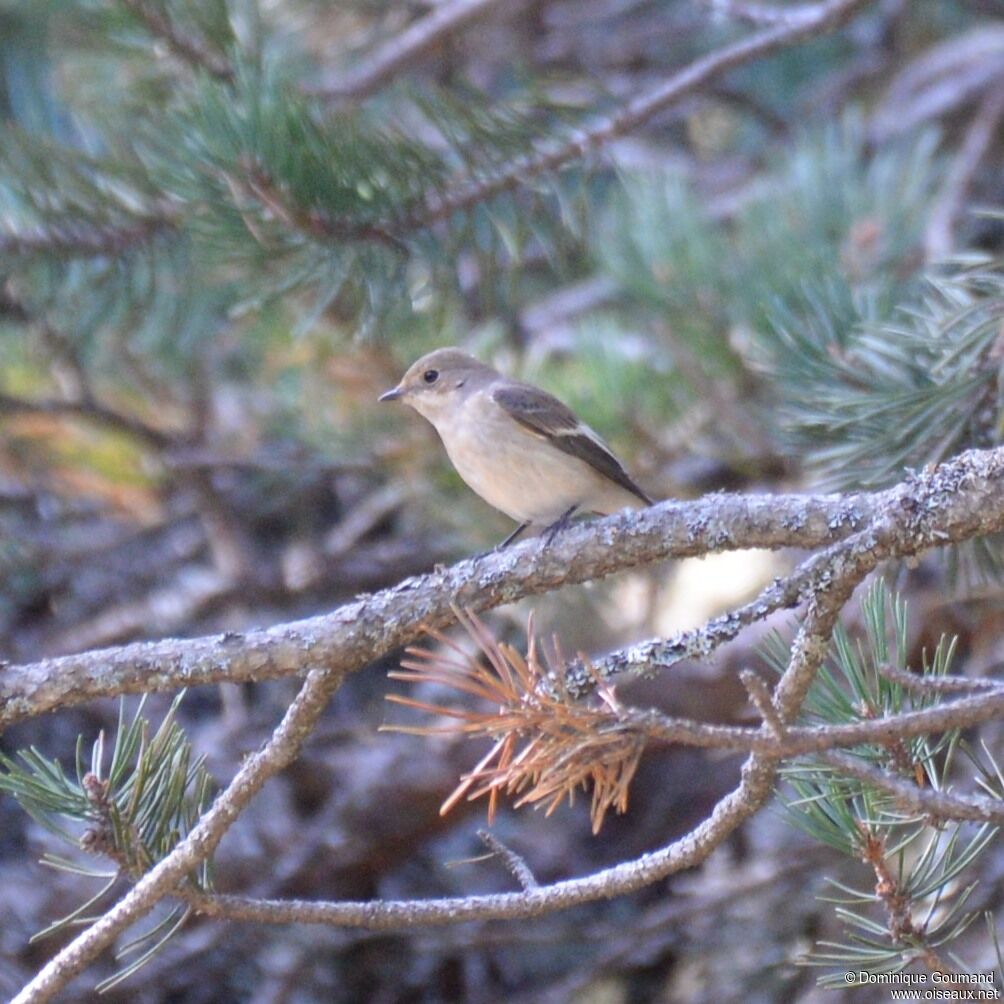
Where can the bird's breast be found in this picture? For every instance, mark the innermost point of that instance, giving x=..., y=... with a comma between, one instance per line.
x=514, y=470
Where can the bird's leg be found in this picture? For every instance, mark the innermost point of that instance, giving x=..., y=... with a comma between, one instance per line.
x=559, y=524
x=512, y=536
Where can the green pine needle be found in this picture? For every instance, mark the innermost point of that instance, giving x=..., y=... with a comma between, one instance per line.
x=132, y=805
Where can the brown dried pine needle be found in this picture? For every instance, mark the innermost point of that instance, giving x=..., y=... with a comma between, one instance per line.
x=547, y=745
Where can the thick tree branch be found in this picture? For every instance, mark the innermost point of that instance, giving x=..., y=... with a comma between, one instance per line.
x=378, y=623
x=959, y=500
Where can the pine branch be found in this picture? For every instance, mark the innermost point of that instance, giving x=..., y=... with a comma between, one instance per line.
x=819, y=19
x=877, y=803
x=960, y=500
x=730, y=812
x=978, y=139
x=91, y=411
x=764, y=14
x=314, y=223
x=934, y=684
x=406, y=48
x=939, y=805
x=77, y=240
x=548, y=743
x=403, y=915
x=188, y=48
x=964, y=497
x=801, y=740
x=197, y=846
x=650, y=657
x=902, y=927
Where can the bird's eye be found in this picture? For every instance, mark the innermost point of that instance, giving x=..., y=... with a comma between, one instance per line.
x=430, y=376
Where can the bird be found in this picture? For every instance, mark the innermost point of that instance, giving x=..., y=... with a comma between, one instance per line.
x=521, y=449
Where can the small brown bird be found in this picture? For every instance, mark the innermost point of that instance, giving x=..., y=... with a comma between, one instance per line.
x=518, y=447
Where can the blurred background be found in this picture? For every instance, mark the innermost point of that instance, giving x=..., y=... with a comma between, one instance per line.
x=226, y=227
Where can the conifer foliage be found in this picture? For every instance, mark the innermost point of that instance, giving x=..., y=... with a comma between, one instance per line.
x=757, y=246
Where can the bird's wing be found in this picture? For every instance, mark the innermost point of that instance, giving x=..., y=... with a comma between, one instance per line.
x=545, y=416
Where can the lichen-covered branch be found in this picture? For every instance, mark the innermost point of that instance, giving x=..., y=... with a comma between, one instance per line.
x=959, y=500
x=800, y=740
x=754, y=789
x=656, y=654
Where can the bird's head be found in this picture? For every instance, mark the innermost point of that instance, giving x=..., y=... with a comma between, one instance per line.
x=438, y=381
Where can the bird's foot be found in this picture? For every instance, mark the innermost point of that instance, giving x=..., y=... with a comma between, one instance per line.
x=512, y=536
x=558, y=525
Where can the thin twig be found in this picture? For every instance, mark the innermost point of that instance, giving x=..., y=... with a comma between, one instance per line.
x=189, y=49
x=944, y=684
x=939, y=804
x=406, y=48
x=515, y=864
x=76, y=240
x=799, y=739
x=978, y=139
x=196, y=847
x=91, y=411
x=759, y=694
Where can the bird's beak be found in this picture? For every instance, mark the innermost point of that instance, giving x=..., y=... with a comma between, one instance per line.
x=391, y=395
